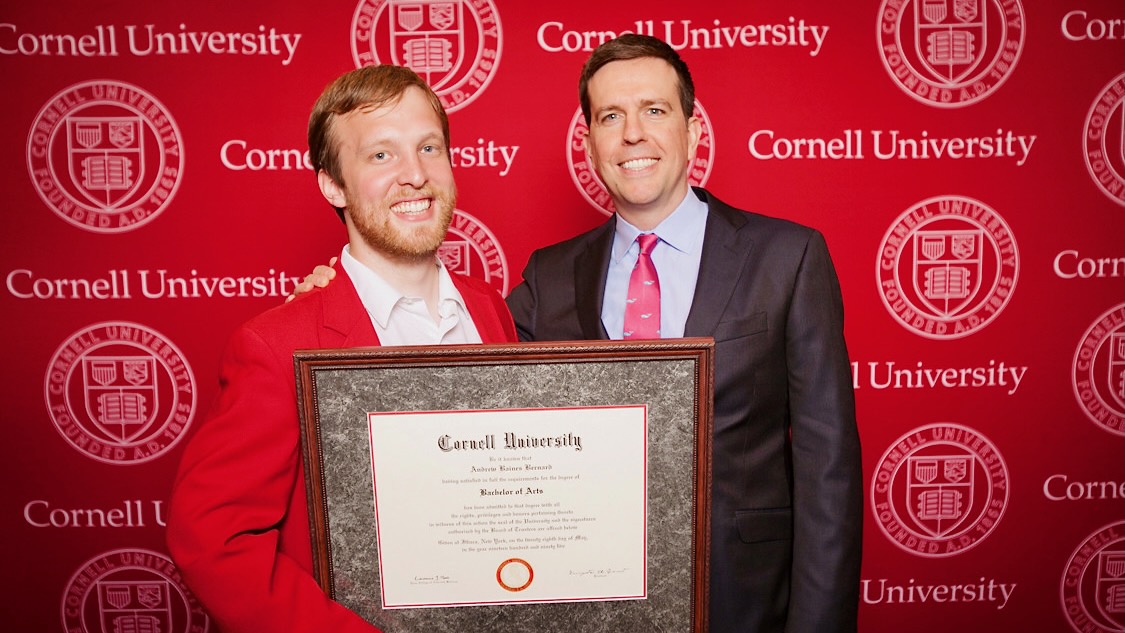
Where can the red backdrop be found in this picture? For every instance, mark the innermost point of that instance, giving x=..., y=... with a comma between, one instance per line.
x=963, y=157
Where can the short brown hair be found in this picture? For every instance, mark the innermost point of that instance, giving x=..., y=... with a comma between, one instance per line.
x=366, y=87
x=636, y=46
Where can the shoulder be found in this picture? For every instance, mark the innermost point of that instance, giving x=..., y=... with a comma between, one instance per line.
x=282, y=317
x=269, y=335
x=761, y=227
x=296, y=323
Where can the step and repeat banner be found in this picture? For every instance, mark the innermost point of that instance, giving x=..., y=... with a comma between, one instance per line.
x=964, y=159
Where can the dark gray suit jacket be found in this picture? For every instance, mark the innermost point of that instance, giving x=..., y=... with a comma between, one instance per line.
x=787, y=502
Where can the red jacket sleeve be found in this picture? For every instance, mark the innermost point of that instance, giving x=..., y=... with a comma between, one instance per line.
x=238, y=524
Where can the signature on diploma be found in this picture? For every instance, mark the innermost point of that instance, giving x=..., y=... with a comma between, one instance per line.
x=436, y=579
x=600, y=572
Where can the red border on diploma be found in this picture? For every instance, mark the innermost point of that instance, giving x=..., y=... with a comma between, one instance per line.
x=644, y=504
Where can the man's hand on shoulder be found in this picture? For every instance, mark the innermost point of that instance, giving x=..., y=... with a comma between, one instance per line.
x=318, y=278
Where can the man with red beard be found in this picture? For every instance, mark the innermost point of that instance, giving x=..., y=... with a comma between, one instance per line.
x=238, y=525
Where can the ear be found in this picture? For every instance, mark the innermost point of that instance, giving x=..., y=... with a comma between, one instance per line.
x=331, y=190
x=695, y=131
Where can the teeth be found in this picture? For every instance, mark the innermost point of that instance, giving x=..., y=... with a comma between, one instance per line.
x=639, y=163
x=411, y=207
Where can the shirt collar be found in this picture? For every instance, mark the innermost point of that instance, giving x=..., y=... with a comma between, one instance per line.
x=380, y=298
x=682, y=230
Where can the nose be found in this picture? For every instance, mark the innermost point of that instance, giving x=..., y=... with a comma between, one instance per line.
x=412, y=172
x=634, y=130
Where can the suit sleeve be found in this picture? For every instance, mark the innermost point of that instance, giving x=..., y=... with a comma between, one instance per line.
x=827, y=468
x=232, y=495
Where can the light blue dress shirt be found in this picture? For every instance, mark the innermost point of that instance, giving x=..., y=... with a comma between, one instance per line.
x=676, y=258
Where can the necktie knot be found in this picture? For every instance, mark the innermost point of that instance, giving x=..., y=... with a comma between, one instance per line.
x=647, y=242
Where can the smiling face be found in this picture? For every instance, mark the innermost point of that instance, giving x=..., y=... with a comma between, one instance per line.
x=640, y=140
x=397, y=191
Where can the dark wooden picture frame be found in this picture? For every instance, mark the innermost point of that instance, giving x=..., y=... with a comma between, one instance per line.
x=673, y=378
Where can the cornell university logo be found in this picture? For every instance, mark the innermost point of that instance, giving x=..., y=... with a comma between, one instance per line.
x=105, y=156
x=1099, y=371
x=1104, y=140
x=947, y=267
x=939, y=490
x=1093, y=582
x=131, y=590
x=950, y=53
x=453, y=44
x=472, y=250
x=120, y=393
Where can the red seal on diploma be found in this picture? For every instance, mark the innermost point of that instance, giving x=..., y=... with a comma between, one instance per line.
x=515, y=574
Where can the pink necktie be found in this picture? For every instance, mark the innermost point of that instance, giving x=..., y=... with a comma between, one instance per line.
x=642, y=306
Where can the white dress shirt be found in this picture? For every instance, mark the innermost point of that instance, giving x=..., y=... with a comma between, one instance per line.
x=402, y=320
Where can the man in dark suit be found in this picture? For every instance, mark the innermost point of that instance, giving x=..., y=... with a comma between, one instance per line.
x=787, y=482
x=238, y=525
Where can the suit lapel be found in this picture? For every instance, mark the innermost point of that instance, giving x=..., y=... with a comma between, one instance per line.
x=489, y=324
x=590, y=271
x=345, y=320
x=727, y=245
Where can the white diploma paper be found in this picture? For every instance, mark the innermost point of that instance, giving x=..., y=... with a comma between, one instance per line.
x=506, y=506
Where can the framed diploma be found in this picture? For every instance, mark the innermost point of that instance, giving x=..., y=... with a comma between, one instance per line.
x=533, y=487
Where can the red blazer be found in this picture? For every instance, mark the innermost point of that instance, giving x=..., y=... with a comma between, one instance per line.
x=238, y=525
